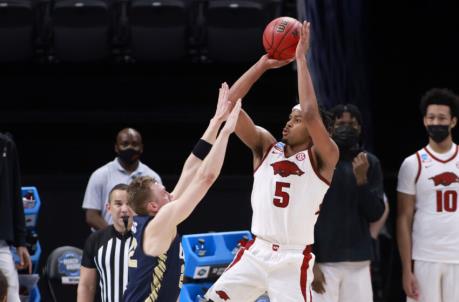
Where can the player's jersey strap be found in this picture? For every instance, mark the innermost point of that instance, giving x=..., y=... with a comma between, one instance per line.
x=436, y=219
x=153, y=279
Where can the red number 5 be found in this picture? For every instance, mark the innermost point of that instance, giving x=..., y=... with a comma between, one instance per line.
x=284, y=199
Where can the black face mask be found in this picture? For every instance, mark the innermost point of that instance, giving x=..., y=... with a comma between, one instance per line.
x=347, y=139
x=438, y=132
x=129, y=155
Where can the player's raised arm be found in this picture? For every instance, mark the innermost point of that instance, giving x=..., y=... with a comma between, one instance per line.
x=162, y=229
x=204, y=144
x=323, y=145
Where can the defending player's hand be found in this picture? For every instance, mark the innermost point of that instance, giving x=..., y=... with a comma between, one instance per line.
x=318, y=284
x=303, y=45
x=223, y=104
x=273, y=63
x=410, y=286
x=360, y=165
x=230, y=124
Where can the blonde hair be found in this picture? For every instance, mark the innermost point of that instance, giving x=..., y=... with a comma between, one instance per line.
x=139, y=193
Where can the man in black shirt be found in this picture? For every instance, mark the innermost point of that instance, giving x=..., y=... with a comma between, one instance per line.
x=343, y=245
x=106, y=252
x=12, y=221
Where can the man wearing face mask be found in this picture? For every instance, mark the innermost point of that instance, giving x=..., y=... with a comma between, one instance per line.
x=343, y=245
x=123, y=169
x=427, y=216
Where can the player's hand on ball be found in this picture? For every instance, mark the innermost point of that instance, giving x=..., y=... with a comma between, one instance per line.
x=223, y=104
x=303, y=45
x=273, y=63
x=230, y=124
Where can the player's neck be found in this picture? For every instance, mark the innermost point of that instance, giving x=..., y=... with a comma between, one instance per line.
x=443, y=146
x=290, y=150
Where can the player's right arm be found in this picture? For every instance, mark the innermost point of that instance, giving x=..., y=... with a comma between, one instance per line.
x=161, y=230
x=256, y=138
x=87, y=284
x=406, y=201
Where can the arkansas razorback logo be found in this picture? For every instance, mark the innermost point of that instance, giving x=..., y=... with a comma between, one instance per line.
x=286, y=168
x=222, y=294
x=445, y=178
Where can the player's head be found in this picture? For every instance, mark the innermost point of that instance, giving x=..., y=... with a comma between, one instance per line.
x=3, y=287
x=346, y=126
x=146, y=196
x=440, y=110
x=129, y=146
x=295, y=131
x=118, y=206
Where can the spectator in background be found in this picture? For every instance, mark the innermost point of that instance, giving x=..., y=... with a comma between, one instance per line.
x=123, y=169
x=105, y=255
x=12, y=221
x=427, y=216
x=3, y=287
x=343, y=244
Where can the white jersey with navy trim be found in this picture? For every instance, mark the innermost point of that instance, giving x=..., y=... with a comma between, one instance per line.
x=436, y=219
x=286, y=196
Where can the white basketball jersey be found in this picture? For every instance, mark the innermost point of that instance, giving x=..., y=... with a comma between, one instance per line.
x=436, y=220
x=286, y=196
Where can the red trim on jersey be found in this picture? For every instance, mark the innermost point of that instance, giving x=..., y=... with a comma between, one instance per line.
x=240, y=253
x=314, y=167
x=419, y=167
x=264, y=157
x=442, y=161
x=304, y=272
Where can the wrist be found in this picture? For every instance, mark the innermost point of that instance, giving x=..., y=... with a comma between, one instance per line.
x=361, y=181
x=215, y=122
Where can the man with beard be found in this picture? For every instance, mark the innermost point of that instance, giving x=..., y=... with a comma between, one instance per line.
x=123, y=169
x=427, y=218
x=343, y=245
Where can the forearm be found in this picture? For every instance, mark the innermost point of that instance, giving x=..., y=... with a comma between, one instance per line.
x=371, y=202
x=212, y=164
x=306, y=92
x=242, y=86
x=404, y=228
x=95, y=220
x=85, y=293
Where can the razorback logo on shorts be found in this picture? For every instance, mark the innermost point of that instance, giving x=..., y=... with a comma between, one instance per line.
x=223, y=295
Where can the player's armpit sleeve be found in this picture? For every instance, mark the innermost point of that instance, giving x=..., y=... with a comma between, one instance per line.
x=407, y=175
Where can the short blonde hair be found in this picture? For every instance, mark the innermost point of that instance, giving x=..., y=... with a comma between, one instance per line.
x=139, y=193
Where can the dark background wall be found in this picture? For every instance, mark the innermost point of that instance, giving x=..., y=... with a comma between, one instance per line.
x=65, y=118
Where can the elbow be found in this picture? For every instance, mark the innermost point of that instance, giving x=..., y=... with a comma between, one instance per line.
x=310, y=112
x=207, y=177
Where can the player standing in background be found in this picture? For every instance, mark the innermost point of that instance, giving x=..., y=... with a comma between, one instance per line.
x=428, y=218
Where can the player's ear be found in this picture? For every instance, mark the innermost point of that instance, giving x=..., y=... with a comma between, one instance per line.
x=453, y=122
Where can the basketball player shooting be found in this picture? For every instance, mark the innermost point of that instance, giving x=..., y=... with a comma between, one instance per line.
x=291, y=178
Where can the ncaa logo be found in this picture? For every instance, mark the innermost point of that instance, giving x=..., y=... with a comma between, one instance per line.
x=300, y=156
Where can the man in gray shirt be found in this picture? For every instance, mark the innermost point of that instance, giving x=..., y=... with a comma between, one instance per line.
x=123, y=169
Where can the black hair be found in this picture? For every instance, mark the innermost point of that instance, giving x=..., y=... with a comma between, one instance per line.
x=3, y=286
x=353, y=110
x=326, y=118
x=440, y=96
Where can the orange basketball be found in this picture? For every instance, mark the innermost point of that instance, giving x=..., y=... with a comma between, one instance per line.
x=280, y=38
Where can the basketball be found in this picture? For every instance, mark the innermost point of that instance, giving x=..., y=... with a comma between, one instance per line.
x=280, y=38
